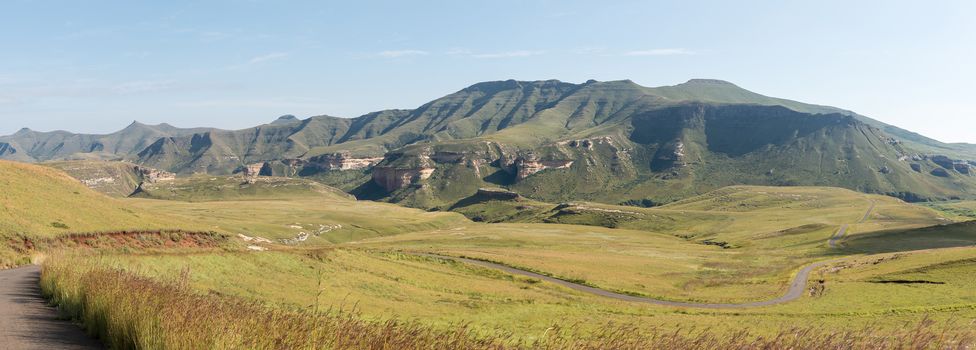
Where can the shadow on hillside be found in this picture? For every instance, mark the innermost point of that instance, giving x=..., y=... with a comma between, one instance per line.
x=369, y=191
x=892, y=241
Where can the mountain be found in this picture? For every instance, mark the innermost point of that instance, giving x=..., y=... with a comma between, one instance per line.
x=615, y=142
x=33, y=146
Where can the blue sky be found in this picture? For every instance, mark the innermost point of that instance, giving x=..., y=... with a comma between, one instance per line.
x=94, y=66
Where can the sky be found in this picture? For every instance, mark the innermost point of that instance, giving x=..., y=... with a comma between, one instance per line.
x=95, y=66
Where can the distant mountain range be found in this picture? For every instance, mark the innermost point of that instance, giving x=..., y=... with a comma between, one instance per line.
x=615, y=142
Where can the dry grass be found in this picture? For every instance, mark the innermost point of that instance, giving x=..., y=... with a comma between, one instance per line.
x=128, y=311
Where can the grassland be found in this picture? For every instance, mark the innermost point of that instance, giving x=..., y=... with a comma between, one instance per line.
x=958, y=210
x=41, y=202
x=203, y=188
x=327, y=220
x=770, y=233
x=735, y=245
x=132, y=311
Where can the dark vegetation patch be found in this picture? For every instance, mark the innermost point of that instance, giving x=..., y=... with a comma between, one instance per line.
x=643, y=203
x=899, y=281
x=724, y=245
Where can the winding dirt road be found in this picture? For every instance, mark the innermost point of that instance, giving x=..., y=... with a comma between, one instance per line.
x=27, y=322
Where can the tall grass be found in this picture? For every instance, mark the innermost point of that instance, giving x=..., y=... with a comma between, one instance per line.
x=128, y=311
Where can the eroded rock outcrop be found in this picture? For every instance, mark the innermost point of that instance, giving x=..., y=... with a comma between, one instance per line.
x=529, y=164
x=342, y=161
x=942, y=161
x=962, y=167
x=252, y=171
x=392, y=178
x=151, y=175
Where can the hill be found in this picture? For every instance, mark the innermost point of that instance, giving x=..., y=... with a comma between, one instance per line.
x=610, y=142
x=37, y=201
x=113, y=178
x=43, y=201
x=202, y=188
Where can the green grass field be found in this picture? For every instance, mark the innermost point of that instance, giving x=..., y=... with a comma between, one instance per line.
x=897, y=264
x=958, y=210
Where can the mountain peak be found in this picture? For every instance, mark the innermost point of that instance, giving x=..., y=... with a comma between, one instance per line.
x=285, y=119
x=135, y=125
x=715, y=82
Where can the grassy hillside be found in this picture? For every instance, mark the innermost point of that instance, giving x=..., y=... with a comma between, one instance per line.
x=201, y=188
x=886, y=290
x=116, y=179
x=959, y=210
x=43, y=201
x=326, y=221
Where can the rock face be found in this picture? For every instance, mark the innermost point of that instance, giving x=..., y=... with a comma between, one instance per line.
x=942, y=161
x=529, y=164
x=962, y=167
x=342, y=161
x=252, y=171
x=940, y=172
x=392, y=178
x=151, y=175
x=7, y=149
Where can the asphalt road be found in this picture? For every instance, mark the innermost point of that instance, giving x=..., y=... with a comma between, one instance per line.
x=797, y=286
x=27, y=322
x=832, y=242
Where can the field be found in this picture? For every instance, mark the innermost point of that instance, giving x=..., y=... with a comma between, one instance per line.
x=959, y=210
x=895, y=264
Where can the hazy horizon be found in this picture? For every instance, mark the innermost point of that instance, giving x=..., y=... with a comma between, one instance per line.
x=95, y=68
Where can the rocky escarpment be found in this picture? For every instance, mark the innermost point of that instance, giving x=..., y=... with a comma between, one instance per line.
x=154, y=175
x=948, y=164
x=412, y=166
x=341, y=161
x=252, y=171
x=530, y=164
x=392, y=178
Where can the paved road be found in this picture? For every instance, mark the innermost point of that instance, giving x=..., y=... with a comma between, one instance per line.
x=27, y=322
x=797, y=286
x=832, y=242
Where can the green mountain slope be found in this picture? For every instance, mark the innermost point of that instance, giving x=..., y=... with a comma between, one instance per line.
x=611, y=141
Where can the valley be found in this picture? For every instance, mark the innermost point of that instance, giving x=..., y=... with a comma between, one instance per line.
x=740, y=255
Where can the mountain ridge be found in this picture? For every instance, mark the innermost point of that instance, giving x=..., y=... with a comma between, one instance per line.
x=628, y=137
